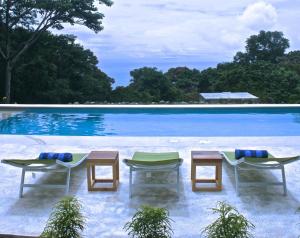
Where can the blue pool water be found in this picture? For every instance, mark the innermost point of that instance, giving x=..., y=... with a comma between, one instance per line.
x=155, y=122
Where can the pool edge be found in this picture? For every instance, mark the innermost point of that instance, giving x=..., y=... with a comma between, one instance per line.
x=33, y=106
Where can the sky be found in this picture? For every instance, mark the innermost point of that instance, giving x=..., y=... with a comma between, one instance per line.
x=193, y=33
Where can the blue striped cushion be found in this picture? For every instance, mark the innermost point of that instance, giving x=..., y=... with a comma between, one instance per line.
x=251, y=153
x=65, y=157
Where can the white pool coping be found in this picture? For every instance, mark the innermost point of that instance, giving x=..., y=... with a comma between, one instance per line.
x=29, y=106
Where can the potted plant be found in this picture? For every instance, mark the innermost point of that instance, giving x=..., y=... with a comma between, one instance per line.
x=66, y=220
x=150, y=222
x=229, y=224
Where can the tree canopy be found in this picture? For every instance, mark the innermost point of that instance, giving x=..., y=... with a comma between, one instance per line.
x=185, y=81
x=270, y=82
x=263, y=70
x=57, y=71
x=37, y=16
x=266, y=46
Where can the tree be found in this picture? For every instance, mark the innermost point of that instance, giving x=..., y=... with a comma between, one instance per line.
x=151, y=85
x=38, y=16
x=227, y=77
x=126, y=94
x=186, y=82
x=272, y=83
x=291, y=61
x=58, y=70
x=266, y=46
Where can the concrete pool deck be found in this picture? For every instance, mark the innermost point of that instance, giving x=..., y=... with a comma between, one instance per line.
x=273, y=214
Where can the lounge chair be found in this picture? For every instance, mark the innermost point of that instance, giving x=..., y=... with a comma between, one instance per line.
x=153, y=162
x=36, y=165
x=248, y=163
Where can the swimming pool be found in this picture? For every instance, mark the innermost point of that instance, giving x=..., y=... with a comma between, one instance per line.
x=154, y=122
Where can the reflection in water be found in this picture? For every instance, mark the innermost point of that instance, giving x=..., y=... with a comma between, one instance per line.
x=53, y=124
x=4, y=116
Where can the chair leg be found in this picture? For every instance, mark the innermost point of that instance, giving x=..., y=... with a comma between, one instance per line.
x=68, y=181
x=283, y=180
x=130, y=183
x=22, y=183
x=178, y=181
x=236, y=173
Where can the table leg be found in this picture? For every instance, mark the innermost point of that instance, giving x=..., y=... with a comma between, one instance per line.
x=219, y=176
x=93, y=172
x=118, y=169
x=89, y=182
x=193, y=171
x=193, y=176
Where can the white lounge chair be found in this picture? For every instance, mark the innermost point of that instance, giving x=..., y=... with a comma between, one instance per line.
x=247, y=163
x=46, y=166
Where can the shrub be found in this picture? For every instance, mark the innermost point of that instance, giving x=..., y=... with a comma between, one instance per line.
x=150, y=222
x=66, y=220
x=229, y=224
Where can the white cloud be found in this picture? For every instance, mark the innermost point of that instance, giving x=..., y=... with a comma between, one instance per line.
x=169, y=28
x=192, y=28
x=260, y=15
x=185, y=31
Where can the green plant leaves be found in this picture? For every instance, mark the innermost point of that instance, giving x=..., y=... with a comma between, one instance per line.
x=229, y=224
x=66, y=220
x=150, y=222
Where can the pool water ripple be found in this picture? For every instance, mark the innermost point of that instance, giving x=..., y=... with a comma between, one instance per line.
x=155, y=122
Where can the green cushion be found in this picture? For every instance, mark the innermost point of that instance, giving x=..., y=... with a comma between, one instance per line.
x=153, y=159
x=24, y=162
x=145, y=156
x=76, y=158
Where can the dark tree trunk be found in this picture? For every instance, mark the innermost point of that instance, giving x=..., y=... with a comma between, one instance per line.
x=8, y=70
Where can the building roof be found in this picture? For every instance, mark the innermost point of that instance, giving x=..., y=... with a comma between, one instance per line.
x=228, y=95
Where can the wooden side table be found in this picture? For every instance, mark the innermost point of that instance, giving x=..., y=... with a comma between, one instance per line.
x=207, y=158
x=102, y=158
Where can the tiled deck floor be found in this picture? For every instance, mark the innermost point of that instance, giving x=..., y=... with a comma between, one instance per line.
x=273, y=214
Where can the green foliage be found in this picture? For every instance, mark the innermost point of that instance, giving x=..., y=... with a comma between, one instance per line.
x=267, y=46
x=291, y=61
x=150, y=222
x=264, y=70
x=272, y=83
x=52, y=13
x=37, y=16
x=186, y=82
x=229, y=224
x=125, y=95
x=58, y=70
x=149, y=85
x=66, y=220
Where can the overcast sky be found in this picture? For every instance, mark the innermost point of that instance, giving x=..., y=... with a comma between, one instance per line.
x=193, y=33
